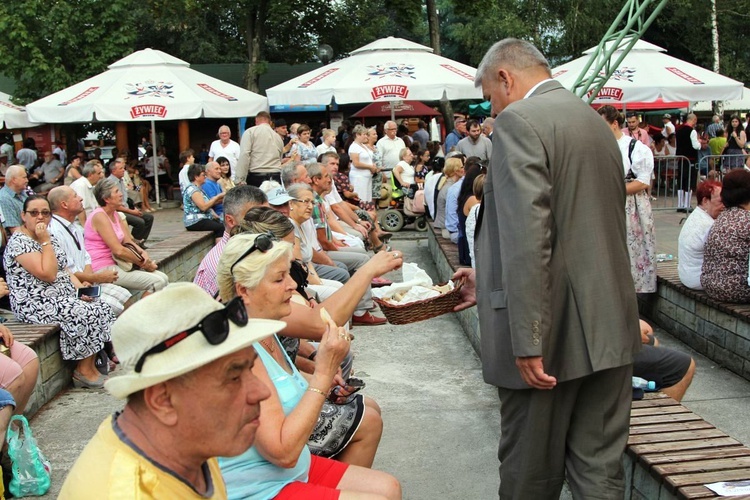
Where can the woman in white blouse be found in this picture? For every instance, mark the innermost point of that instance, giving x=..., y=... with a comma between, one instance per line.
x=361, y=167
x=638, y=163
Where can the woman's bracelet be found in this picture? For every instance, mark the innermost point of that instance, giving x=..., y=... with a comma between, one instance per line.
x=315, y=389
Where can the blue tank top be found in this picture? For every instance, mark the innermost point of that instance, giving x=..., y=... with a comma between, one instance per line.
x=249, y=475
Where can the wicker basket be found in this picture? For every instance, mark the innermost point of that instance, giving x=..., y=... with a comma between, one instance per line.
x=423, y=309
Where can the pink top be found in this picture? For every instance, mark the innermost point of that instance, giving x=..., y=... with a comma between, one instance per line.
x=101, y=255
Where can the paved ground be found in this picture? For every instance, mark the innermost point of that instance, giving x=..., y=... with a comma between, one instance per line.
x=441, y=420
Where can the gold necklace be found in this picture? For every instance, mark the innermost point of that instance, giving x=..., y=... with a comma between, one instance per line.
x=270, y=348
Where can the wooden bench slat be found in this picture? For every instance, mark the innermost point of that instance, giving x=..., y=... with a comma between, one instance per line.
x=696, y=444
x=690, y=455
x=695, y=492
x=713, y=464
x=668, y=437
x=670, y=427
x=658, y=410
x=662, y=419
x=648, y=402
x=679, y=480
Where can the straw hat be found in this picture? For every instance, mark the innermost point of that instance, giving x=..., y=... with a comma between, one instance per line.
x=160, y=316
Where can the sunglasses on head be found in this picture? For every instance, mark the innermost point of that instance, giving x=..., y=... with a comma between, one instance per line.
x=215, y=328
x=263, y=243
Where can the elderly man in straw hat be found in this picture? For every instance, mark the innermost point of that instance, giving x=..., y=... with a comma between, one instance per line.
x=190, y=395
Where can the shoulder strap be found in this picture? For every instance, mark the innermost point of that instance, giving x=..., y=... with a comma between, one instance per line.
x=631, y=147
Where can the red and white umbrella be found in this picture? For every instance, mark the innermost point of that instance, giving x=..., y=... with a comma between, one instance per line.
x=647, y=74
x=13, y=116
x=148, y=85
x=389, y=69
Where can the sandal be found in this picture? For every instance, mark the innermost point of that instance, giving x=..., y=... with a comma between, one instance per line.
x=382, y=248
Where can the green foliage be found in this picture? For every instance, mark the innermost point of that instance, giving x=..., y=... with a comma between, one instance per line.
x=48, y=46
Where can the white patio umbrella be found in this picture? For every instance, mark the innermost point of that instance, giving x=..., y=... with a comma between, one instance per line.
x=647, y=73
x=742, y=104
x=148, y=85
x=389, y=69
x=12, y=116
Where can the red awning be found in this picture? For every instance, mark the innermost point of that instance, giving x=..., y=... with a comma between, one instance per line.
x=643, y=106
x=403, y=109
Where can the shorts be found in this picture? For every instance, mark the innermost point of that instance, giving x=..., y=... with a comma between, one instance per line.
x=322, y=479
x=12, y=366
x=664, y=366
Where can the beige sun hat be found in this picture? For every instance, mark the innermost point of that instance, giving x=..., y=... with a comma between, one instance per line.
x=154, y=319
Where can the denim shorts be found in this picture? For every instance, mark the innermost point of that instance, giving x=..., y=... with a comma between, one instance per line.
x=6, y=399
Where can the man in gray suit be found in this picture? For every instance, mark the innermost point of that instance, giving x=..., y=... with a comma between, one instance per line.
x=557, y=311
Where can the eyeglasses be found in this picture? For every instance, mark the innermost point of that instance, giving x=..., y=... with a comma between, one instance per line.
x=263, y=243
x=35, y=213
x=306, y=202
x=215, y=328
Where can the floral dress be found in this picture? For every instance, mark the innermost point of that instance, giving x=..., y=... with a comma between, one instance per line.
x=726, y=255
x=377, y=178
x=85, y=326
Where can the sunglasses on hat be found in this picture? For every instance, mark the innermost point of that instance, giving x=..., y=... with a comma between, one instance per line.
x=263, y=242
x=215, y=328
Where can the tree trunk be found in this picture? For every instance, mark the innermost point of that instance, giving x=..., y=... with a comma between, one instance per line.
x=434, y=25
x=254, y=33
x=718, y=106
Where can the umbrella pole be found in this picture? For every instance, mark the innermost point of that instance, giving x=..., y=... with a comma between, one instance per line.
x=393, y=112
x=156, y=164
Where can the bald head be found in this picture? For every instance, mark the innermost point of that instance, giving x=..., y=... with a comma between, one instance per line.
x=57, y=195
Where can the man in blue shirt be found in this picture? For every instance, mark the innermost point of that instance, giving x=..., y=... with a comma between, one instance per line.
x=211, y=186
x=12, y=196
x=451, y=211
x=458, y=133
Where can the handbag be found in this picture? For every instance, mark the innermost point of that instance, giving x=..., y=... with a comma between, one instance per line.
x=126, y=265
x=31, y=471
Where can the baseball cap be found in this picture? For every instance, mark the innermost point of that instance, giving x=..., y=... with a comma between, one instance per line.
x=162, y=315
x=276, y=194
x=666, y=115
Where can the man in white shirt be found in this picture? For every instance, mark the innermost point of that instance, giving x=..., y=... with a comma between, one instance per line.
x=84, y=187
x=390, y=146
x=694, y=232
x=66, y=205
x=668, y=128
x=226, y=147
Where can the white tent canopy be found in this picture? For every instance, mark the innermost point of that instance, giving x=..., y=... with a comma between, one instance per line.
x=147, y=85
x=389, y=69
x=12, y=116
x=742, y=104
x=647, y=73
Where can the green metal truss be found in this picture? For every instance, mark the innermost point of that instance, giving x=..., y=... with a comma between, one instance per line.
x=621, y=37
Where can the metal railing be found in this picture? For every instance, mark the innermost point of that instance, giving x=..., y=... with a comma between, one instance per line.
x=668, y=180
x=720, y=163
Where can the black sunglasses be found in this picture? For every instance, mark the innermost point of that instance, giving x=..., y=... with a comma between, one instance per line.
x=263, y=242
x=215, y=328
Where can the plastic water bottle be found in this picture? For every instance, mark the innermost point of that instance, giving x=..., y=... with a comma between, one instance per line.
x=646, y=385
x=664, y=257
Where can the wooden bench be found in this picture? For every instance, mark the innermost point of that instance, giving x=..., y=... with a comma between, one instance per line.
x=54, y=374
x=178, y=256
x=672, y=453
x=718, y=330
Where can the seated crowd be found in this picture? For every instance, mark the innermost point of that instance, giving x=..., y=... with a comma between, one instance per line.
x=296, y=233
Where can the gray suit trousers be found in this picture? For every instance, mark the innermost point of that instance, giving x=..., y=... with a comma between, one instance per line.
x=580, y=428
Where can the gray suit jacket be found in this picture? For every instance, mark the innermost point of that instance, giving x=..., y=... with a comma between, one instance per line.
x=553, y=272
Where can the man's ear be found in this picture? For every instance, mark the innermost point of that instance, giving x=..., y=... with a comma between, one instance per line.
x=158, y=399
x=229, y=219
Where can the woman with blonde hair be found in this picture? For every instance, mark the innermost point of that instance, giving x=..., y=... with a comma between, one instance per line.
x=453, y=170
x=279, y=464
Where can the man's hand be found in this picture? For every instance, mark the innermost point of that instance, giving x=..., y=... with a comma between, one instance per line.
x=106, y=276
x=532, y=372
x=468, y=292
x=362, y=230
